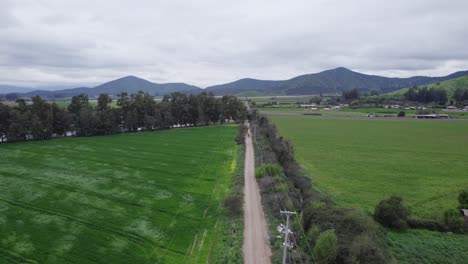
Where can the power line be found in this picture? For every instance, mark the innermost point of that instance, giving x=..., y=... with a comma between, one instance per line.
x=286, y=234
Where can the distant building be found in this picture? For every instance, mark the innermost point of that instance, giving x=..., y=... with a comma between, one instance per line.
x=451, y=107
x=308, y=105
x=432, y=116
x=464, y=212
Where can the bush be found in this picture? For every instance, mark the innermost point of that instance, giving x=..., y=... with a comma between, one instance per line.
x=463, y=199
x=325, y=248
x=364, y=250
x=268, y=169
x=454, y=220
x=427, y=224
x=401, y=114
x=241, y=134
x=233, y=205
x=392, y=213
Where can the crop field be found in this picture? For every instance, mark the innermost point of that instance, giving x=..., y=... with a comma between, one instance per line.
x=150, y=197
x=421, y=246
x=360, y=162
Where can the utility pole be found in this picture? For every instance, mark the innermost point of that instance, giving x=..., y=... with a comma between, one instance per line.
x=286, y=233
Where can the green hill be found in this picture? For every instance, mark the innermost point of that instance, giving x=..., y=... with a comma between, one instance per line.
x=327, y=82
x=449, y=86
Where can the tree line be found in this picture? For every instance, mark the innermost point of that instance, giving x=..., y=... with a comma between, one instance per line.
x=41, y=120
x=460, y=95
x=426, y=95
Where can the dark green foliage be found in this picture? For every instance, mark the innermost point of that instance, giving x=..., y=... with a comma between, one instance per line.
x=401, y=114
x=351, y=94
x=428, y=224
x=463, y=200
x=392, y=213
x=233, y=205
x=325, y=247
x=454, y=220
x=351, y=226
x=135, y=112
x=268, y=169
x=240, y=138
x=426, y=95
x=365, y=250
x=460, y=95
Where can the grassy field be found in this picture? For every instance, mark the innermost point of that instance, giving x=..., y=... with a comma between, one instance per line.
x=360, y=162
x=134, y=198
x=421, y=246
x=354, y=112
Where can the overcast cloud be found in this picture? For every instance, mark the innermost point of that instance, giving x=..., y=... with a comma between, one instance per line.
x=56, y=42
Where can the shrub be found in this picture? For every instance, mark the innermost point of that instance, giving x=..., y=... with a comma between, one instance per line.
x=241, y=135
x=463, y=199
x=233, y=205
x=325, y=248
x=427, y=224
x=266, y=183
x=272, y=170
x=454, y=220
x=364, y=250
x=401, y=114
x=392, y=213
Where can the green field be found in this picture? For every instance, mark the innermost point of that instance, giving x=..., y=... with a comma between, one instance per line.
x=134, y=198
x=421, y=246
x=360, y=162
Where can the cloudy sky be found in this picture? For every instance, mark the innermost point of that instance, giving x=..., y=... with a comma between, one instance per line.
x=207, y=42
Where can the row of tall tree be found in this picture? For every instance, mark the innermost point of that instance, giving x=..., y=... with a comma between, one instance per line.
x=39, y=119
x=460, y=95
x=426, y=95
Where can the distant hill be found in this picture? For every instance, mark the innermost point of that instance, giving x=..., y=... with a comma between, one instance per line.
x=5, y=89
x=326, y=82
x=330, y=81
x=129, y=84
x=449, y=86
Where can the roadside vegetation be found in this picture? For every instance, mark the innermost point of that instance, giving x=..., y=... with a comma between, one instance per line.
x=320, y=223
x=132, y=198
x=227, y=245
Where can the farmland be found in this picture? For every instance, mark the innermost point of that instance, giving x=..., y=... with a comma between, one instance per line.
x=133, y=198
x=362, y=161
x=421, y=246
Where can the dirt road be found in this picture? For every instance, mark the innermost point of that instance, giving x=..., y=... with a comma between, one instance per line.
x=256, y=247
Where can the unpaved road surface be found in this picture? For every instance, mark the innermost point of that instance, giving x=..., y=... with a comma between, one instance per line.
x=256, y=248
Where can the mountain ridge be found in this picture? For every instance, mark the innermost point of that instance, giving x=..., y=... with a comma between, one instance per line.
x=328, y=81
x=128, y=84
x=332, y=81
